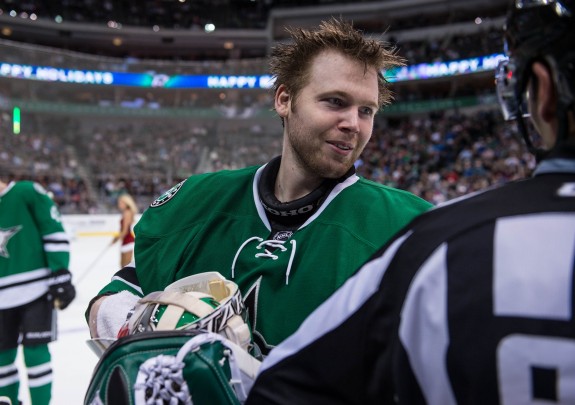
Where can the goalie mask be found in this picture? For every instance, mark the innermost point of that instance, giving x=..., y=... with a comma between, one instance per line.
x=205, y=301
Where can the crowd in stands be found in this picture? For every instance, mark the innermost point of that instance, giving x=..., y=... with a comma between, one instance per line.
x=452, y=47
x=438, y=156
x=446, y=155
x=48, y=160
x=143, y=161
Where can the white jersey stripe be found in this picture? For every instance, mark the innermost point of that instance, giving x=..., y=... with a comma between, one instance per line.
x=41, y=368
x=525, y=269
x=12, y=379
x=10, y=368
x=56, y=247
x=131, y=285
x=425, y=334
x=351, y=180
x=56, y=236
x=56, y=242
x=340, y=306
x=22, y=277
x=40, y=381
x=11, y=373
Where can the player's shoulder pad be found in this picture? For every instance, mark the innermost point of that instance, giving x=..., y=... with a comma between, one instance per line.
x=28, y=188
x=197, y=185
x=40, y=189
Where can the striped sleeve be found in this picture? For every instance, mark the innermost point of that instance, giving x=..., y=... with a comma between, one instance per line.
x=55, y=240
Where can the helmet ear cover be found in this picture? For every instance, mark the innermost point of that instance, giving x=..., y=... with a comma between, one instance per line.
x=205, y=301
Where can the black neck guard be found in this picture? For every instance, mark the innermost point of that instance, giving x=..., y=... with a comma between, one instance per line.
x=290, y=215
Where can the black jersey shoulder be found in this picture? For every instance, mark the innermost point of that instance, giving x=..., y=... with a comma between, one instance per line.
x=535, y=195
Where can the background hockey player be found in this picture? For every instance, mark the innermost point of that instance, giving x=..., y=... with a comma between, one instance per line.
x=34, y=279
x=292, y=231
x=474, y=302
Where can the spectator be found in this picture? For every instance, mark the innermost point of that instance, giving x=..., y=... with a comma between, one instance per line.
x=129, y=210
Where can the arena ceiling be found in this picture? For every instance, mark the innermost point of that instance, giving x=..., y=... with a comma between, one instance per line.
x=242, y=28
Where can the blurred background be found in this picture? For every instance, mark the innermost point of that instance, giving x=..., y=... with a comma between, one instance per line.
x=103, y=97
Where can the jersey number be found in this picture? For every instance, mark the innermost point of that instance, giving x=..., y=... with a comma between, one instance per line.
x=536, y=370
x=533, y=281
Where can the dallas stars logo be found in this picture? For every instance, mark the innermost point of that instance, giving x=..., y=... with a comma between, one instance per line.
x=5, y=235
x=167, y=196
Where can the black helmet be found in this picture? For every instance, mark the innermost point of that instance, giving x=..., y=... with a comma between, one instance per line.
x=538, y=30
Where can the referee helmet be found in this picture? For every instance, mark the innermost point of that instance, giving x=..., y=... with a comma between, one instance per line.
x=544, y=31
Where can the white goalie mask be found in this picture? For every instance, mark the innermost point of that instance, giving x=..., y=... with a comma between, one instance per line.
x=205, y=301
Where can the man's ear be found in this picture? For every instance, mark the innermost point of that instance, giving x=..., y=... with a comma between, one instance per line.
x=282, y=101
x=546, y=95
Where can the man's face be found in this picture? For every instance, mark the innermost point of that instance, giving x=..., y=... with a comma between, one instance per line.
x=331, y=120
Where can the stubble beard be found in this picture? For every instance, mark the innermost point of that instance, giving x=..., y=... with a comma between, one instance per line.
x=309, y=156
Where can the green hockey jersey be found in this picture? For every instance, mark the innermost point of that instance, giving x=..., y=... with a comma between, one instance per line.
x=33, y=243
x=216, y=222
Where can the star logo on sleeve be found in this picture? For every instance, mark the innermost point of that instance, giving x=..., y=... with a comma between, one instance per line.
x=5, y=235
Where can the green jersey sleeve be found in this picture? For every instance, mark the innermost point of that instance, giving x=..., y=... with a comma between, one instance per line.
x=48, y=220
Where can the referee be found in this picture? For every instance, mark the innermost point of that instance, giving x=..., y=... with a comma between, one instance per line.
x=473, y=302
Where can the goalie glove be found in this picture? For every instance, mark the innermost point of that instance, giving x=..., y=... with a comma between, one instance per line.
x=61, y=290
x=175, y=367
x=206, y=302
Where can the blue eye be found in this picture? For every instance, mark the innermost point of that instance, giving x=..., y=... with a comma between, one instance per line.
x=366, y=111
x=335, y=101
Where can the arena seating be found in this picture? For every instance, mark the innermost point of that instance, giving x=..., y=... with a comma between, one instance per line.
x=88, y=143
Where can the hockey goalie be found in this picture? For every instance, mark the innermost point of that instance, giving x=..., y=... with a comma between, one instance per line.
x=189, y=344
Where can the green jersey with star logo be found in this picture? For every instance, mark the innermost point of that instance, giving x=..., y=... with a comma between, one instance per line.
x=33, y=243
x=216, y=222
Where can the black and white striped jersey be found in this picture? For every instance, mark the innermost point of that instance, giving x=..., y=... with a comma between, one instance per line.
x=471, y=304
